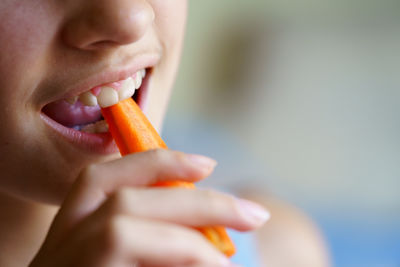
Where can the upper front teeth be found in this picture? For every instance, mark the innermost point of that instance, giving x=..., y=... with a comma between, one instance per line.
x=88, y=99
x=109, y=95
x=138, y=80
x=127, y=89
x=143, y=72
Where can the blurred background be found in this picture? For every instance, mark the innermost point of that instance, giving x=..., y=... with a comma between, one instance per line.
x=300, y=98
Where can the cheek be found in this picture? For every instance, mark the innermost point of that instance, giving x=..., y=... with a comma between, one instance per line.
x=26, y=32
x=170, y=20
x=170, y=24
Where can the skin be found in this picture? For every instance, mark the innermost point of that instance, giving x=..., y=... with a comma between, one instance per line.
x=60, y=206
x=42, y=43
x=104, y=214
x=290, y=238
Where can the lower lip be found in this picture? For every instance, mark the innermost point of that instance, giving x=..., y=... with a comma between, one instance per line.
x=98, y=143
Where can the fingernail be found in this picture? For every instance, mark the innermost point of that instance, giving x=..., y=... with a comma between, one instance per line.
x=201, y=161
x=253, y=211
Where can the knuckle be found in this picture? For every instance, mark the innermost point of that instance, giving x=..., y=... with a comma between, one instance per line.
x=218, y=202
x=158, y=154
x=112, y=236
x=119, y=201
x=212, y=198
x=181, y=237
x=199, y=250
x=166, y=157
x=197, y=237
x=231, y=205
x=165, y=163
x=179, y=156
x=87, y=175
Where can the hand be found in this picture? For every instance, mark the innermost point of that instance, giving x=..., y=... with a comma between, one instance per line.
x=112, y=218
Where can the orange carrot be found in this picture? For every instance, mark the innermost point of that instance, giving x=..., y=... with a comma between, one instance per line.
x=133, y=132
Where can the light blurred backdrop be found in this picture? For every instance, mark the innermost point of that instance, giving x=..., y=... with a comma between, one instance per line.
x=301, y=98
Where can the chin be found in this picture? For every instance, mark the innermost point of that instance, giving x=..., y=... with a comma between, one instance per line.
x=42, y=183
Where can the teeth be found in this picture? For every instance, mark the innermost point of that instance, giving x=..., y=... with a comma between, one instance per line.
x=88, y=99
x=107, y=97
x=91, y=128
x=101, y=127
x=72, y=100
x=98, y=127
x=138, y=80
x=127, y=90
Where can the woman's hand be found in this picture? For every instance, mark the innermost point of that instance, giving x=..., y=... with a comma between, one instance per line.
x=112, y=218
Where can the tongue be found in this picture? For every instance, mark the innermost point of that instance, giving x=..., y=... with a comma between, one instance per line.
x=72, y=115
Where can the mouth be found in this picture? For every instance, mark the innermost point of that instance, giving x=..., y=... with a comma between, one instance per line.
x=79, y=119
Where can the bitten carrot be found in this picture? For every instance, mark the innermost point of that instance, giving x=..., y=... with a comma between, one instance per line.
x=133, y=132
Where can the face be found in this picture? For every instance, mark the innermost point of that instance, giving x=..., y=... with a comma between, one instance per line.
x=56, y=50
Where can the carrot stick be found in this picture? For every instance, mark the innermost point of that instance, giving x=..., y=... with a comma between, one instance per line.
x=133, y=132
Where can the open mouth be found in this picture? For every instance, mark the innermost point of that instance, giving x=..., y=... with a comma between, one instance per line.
x=83, y=112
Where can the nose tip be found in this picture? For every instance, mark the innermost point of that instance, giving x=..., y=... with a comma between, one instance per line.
x=107, y=23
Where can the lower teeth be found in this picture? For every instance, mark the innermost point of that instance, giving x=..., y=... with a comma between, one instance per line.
x=97, y=127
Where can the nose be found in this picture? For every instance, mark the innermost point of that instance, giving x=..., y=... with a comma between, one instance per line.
x=98, y=24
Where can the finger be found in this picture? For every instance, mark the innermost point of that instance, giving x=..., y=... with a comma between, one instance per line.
x=151, y=167
x=140, y=169
x=138, y=240
x=192, y=208
x=202, y=265
x=123, y=241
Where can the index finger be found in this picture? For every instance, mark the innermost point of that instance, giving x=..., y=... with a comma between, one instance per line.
x=141, y=169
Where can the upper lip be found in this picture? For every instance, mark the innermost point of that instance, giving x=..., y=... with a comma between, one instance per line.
x=111, y=74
